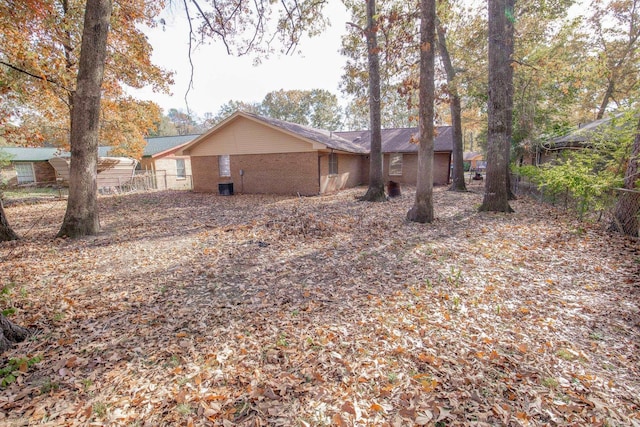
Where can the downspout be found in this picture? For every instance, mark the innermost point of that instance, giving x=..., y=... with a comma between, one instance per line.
x=319, y=174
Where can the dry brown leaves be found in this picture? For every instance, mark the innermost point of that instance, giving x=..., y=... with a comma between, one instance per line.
x=192, y=309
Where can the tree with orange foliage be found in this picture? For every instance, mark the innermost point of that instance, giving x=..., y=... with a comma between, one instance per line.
x=40, y=48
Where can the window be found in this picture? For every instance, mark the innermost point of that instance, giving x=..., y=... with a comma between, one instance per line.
x=25, y=173
x=395, y=164
x=181, y=169
x=224, y=165
x=333, y=164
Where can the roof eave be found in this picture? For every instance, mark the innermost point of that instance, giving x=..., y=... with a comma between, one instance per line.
x=168, y=151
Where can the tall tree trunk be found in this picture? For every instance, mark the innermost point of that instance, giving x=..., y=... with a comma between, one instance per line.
x=507, y=53
x=6, y=233
x=422, y=210
x=496, y=197
x=10, y=333
x=457, y=183
x=81, y=217
x=628, y=205
x=375, y=192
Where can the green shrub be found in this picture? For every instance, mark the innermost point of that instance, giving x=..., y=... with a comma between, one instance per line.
x=588, y=175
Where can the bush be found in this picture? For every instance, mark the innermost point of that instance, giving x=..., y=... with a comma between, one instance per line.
x=587, y=176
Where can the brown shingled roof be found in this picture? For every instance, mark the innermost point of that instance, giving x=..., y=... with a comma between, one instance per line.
x=399, y=140
x=357, y=142
x=330, y=139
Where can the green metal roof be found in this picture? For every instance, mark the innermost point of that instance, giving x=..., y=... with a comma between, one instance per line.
x=42, y=154
x=158, y=144
x=30, y=154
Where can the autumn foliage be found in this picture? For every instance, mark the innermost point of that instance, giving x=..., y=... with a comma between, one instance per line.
x=40, y=44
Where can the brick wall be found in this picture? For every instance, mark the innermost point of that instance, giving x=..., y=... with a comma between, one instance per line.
x=410, y=169
x=45, y=174
x=290, y=173
x=8, y=175
x=349, y=173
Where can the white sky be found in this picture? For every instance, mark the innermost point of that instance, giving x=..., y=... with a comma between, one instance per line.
x=219, y=78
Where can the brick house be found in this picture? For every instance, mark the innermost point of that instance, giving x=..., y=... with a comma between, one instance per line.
x=28, y=166
x=262, y=155
x=31, y=166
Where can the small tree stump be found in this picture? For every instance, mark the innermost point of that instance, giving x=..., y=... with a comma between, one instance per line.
x=393, y=189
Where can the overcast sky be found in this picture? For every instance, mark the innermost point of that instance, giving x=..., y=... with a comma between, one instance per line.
x=219, y=78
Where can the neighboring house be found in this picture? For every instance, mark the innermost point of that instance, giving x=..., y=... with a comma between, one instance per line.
x=577, y=139
x=169, y=170
x=28, y=166
x=256, y=154
x=475, y=160
x=112, y=172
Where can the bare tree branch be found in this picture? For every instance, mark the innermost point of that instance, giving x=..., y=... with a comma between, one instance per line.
x=35, y=76
x=208, y=22
x=191, y=66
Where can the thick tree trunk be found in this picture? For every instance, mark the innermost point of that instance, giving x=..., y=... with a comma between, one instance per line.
x=375, y=192
x=10, y=334
x=628, y=205
x=496, y=196
x=81, y=217
x=457, y=182
x=6, y=233
x=422, y=210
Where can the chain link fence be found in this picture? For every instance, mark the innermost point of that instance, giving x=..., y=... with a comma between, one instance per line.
x=140, y=182
x=617, y=210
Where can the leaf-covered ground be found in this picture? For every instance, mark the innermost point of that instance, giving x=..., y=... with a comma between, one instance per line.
x=197, y=309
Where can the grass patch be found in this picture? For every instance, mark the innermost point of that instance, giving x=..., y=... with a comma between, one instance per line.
x=100, y=409
x=184, y=409
x=565, y=354
x=549, y=382
x=31, y=193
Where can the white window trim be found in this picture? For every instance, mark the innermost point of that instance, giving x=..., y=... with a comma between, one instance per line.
x=224, y=173
x=32, y=174
x=184, y=168
x=336, y=172
x=401, y=161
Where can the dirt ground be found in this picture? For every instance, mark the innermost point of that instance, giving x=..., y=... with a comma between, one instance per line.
x=199, y=309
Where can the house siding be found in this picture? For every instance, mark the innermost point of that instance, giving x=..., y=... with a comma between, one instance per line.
x=349, y=173
x=246, y=137
x=291, y=173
